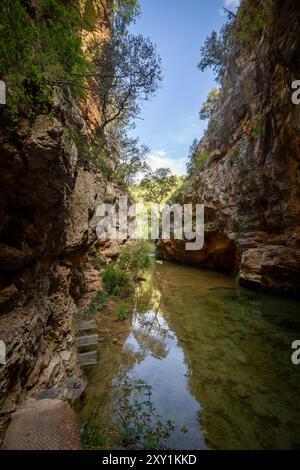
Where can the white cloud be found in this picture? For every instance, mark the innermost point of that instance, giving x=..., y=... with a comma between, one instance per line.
x=231, y=5
x=159, y=159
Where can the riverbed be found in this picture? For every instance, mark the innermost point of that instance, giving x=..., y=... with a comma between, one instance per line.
x=217, y=358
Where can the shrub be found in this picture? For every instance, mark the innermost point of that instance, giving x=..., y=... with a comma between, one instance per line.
x=122, y=312
x=210, y=105
x=38, y=48
x=252, y=21
x=117, y=282
x=141, y=425
x=134, y=258
x=99, y=302
x=200, y=158
x=257, y=128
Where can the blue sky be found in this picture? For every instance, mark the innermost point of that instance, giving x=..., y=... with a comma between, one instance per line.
x=170, y=120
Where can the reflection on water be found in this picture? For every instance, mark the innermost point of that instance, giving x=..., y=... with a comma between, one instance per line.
x=218, y=358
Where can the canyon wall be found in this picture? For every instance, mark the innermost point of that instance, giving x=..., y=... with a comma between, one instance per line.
x=249, y=180
x=49, y=195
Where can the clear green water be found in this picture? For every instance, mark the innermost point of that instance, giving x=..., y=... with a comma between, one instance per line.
x=218, y=358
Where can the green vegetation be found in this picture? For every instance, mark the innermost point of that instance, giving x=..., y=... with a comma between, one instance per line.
x=122, y=312
x=139, y=425
x=245, y=27
x=141, y=194
x=257, y=128
x=201, y=157
x=195, y=158
x=133, y=259
x=93, y=437
x=119, y=279
x=117, y=283
x=210, y=105
x=252, y=21
x=158, y=185
x=214, y=52
x=99, y=302
x=142, y=427
x=41, y=49
x=129, y=69
x=37, y=49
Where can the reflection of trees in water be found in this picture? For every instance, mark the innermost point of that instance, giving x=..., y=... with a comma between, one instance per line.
x=148, y=327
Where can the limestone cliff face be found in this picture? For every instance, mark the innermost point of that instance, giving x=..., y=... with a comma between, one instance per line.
x=250, y=182
x=48, y=201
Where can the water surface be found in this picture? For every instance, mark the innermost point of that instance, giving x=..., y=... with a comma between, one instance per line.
x=218, y=359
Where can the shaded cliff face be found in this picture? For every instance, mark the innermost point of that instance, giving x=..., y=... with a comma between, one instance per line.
x=250, y=181
x=48, y=201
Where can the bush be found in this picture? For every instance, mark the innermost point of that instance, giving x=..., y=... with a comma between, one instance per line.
x=117, y=282
x=99, y=302
x=122, y=312
x=198, y=159
x=38, y=48
x=251, y=22
x=134, y=258
x=210, y=105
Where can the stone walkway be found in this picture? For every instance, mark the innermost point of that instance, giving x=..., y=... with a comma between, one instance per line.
x=43, y=425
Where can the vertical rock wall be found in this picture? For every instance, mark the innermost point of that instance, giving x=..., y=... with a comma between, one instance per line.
x=48, y=201
x=250, y=181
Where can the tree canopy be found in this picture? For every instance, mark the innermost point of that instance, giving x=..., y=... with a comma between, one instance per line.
x=158, y=184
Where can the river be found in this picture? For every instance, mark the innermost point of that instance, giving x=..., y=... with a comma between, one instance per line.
x=218, y=359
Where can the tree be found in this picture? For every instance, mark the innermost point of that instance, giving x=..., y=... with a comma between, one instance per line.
x=133, y=258
x=131, y=159
x=125, y=13
x=210, y=105
x=158, y=184
x=214, y=52
x=131, y=73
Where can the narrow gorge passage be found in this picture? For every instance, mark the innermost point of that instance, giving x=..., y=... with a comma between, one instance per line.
x=215, y=356
x=149, y=227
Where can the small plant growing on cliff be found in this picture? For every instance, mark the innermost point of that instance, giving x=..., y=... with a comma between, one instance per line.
x=210, y=105
x=122, y=312
x=201, y=157
x=252, y=21
x=37, y=46
x=195, y=159
x=257, y=128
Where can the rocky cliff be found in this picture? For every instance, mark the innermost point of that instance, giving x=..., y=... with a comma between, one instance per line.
x=249, y=180
x=49, y=195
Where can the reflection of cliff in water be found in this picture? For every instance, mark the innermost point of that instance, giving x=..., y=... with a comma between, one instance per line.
x=237, y=345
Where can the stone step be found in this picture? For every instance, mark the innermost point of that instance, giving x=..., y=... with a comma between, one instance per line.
x=88, y=358
x=87, y=325
x=87, y=340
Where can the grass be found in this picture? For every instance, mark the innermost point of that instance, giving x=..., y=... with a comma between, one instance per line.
x=122, y=312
